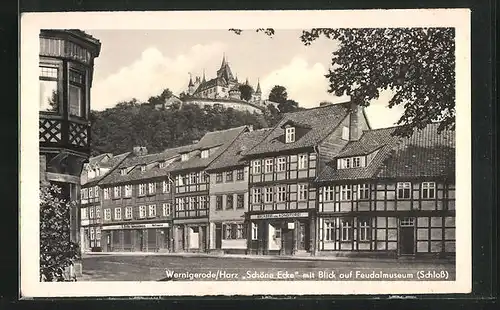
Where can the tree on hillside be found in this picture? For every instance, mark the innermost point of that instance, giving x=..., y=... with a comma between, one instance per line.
x=288, y=106
x=416, y=64
x=246, y=92
x=160, y=99
x=278, y=94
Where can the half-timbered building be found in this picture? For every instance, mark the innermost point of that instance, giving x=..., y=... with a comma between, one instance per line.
x=90, y=209
x=283, y=166
x=229, y=195
x=137, y=202
x=191, y=216
x=390, y=196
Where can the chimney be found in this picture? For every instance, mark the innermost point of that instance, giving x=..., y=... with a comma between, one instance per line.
x=355, y=119
x=140, y=150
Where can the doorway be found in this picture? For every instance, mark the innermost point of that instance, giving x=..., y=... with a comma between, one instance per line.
x=287, y=235
x=303, y=237
x=407, y=236
x=218, y=236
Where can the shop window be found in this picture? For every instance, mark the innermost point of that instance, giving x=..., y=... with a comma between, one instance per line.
x=49, y=94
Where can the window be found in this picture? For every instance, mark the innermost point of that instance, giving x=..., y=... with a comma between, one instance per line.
x=166, y=186
x=167, y=209
x=92, y=234
x=204, y=202
x=329, y=231
x=180, y=204
x=151, y=188
x=290, y=134
x=302, y=191
x=142, y=189
x=143, y=168
x=123, y=171
x=428, y=190
x=152, y=211
x=96, y=193
x=142, y=212
x=97, y=233
x=91, y=193
x=407, y=221
x=240, y=174
x=356, y=162
x=256, y=166
x=328, y=193
x=205, y=153
x=403, y=189
x=163, y=164
x=218, y=202
x=106, y=193
x=49, y=94
x=128, y=212
x=118, y=213
x=268, y=165
x=256, y=195
x=227, y=231
x=117, y=192
x=364, y=230
x=97, y=212
x=83, y=213
x=345, y=133
x=281, y=164
x=91, y=212
x=280, y=193
x=184, y=157
x=229, y=176
x=194, y=178
x=97, y=172
x=277, y=232
x=303, y=161
x=345, y=192
x=268, y=196
x=240, y=201
x=346, y=230
x=107, y=214
x=85, y=193
x=76, y=93
x=363, y=191
x=128, y=190
x=218, y=177
x=229, y=201
x=254, y=231
x=240, y=231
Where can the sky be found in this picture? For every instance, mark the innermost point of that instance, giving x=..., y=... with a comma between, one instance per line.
x=141, y=63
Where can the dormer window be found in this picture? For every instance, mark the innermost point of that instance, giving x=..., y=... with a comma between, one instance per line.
x=345, y=133
x=351, y=162
x=163, y=164
x=184, y=157
x=205, y=153
x=290, y=134
x=143, y=168
x=123, y=171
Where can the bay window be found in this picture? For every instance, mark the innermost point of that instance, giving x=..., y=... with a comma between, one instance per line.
x=49, y=93
x=76, y=93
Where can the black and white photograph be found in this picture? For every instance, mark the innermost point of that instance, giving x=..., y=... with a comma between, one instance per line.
x=197, y=153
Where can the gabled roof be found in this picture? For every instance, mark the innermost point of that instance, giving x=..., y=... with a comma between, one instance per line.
x=98, y=159
x=111, y=163
x=321, y=120
x=134, y=162
x=233, y=156
x=425, y=154
x=221, y=139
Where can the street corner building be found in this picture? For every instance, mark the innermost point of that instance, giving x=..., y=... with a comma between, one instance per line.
x=66, y=64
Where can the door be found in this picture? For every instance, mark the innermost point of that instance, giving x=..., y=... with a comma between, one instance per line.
x=218, y=236
x=139, y=246
x=407, y=236
x=180, y=239
x=303, y=237
x=287, y=236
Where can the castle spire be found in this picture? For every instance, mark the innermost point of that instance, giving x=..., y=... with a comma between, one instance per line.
x=246, y=82
x=258, y=87
x=204, y=80
x=190, y=80
x=223, y=60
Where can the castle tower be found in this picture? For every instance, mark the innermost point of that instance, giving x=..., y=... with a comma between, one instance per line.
x=204, y=80
x=191, y=85
x=258, y=93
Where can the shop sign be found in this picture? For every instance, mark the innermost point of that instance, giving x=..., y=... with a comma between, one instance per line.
x=278, y=215
x=134, y=226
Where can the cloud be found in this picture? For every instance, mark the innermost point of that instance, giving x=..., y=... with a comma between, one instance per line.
x=150, y=74
x=380, y=115
x=305, y=83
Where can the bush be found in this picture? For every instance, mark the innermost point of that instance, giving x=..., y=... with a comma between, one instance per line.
x=57, y=251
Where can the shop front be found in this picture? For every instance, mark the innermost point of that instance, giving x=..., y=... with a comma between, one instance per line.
x=191, y=235
x=152, y=237
x=289, y=233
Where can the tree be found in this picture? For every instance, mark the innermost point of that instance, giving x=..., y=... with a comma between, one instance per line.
x=278, y=94
x=57, y=251
x=416, y=64
x=288, y=106
x=246, y=92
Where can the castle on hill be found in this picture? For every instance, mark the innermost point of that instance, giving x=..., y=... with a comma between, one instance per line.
x=224, y=90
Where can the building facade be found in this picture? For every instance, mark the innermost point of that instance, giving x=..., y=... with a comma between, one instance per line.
x=390, y=196
x=136, y=203
x=192, y=185
x=284, y=165
x=66, y=67
x=229, y=197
